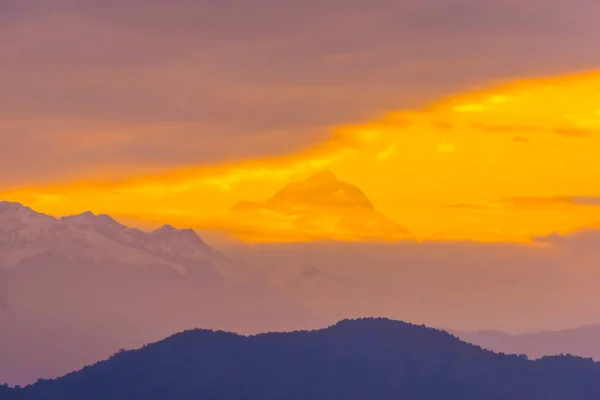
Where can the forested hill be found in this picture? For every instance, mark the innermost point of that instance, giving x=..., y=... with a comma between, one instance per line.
x=376, y=359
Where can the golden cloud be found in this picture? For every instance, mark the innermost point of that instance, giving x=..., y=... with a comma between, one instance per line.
x=465, y=149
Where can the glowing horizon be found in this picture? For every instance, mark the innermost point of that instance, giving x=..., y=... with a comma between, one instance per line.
x=504, y=164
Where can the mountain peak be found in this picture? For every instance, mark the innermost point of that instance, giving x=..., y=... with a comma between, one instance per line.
x=373, y=323
x=88, y=217
x=13, y=210
x=9, y=204
x=321, y=207
x=169, y=232
x=166, y=228
x=323, y=189
x=13, y=207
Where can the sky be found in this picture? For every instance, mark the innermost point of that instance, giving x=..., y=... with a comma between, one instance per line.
x=458, y=119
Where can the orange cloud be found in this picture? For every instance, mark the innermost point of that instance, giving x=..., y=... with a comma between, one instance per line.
x=554, y=201
x=461, y=150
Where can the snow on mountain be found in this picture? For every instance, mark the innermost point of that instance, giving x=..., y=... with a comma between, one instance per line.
x=78, y=288
x=25, y=233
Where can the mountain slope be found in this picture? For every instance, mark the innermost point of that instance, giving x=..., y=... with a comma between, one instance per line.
x=361, y=359
x=25, y=233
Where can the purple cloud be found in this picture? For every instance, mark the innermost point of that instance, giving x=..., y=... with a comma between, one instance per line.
x=218, y=75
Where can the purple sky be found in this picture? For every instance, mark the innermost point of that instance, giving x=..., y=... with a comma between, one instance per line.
x=92, y=84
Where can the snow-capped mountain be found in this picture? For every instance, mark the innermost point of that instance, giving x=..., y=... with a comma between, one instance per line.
x=25, y=233
x=79, y=288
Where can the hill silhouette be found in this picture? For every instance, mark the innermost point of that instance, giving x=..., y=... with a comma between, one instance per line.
x=354, y=359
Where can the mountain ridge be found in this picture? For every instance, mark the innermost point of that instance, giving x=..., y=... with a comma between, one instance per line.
x=583, y=341
x=78, y=288
x=352, y=359
x=27, y=231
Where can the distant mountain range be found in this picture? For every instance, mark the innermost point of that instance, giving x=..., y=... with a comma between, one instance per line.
x=26, y=235
x=354, y=359
x=77, y=289
x=583, y=341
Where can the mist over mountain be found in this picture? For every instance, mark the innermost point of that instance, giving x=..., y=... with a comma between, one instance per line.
x=454, y=285
x=197, y=192
x=77, y=289
x=353, y=359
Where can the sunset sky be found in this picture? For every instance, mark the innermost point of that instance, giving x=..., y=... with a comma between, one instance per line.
x=458, y=119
